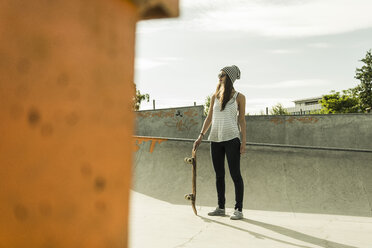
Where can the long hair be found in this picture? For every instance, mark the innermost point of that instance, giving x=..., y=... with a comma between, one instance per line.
x=223, y=92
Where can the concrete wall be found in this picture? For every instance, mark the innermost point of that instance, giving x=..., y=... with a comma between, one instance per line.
x=183, y=122
x=275, y=179
x=341, y=130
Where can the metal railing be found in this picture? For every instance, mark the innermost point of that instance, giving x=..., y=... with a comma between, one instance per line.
x=323, y=148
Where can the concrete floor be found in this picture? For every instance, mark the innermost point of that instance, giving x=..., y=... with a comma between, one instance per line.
x=155, y=223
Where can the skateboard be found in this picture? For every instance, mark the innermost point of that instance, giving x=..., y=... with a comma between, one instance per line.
x=192, y=196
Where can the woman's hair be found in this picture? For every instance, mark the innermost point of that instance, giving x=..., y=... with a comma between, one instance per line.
x=223, y=93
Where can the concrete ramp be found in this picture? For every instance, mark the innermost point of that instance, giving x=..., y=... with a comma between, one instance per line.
x=276, y=178
x=160, y=224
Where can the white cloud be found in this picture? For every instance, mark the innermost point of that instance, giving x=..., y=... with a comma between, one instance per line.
x=282, y=51
x=267, y=18
x=319, y=45
x=289, y=84
x=150, y=63
x=193, y=36
x=145, y=64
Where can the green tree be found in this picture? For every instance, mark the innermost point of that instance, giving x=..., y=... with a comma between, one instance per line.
x=364, y=74
x=316, y=112
x=138, y=98
x=278, y=109
x=207, y=105
x=345, y=102
x=353, y=100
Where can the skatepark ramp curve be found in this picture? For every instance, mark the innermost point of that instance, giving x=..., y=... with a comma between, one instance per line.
x=277, y=177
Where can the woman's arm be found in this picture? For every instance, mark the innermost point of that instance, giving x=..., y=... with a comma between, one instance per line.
x=206, y=124
x=241, y=121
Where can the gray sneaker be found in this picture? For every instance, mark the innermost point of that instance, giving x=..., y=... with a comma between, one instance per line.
x=237, y=215
x=217, y=212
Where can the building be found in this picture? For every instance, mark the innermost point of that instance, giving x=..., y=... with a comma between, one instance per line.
x=305, y=106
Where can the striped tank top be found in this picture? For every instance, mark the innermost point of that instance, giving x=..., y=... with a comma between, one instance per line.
x=225, y=123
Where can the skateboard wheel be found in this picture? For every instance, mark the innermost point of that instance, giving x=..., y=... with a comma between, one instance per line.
x=188, y=160
x=188, y=197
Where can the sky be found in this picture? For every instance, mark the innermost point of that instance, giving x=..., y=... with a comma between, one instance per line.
x=286, y=50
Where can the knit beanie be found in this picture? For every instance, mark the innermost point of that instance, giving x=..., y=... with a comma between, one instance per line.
x=232, y=71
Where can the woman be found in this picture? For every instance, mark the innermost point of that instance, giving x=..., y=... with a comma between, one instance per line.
x=227, y=117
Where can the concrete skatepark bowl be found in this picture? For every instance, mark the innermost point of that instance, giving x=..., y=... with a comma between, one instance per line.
x=295, y=196
x=277, y=178
x=306, y=183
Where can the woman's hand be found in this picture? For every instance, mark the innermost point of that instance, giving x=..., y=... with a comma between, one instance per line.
x=197, y=142
x=242, y=148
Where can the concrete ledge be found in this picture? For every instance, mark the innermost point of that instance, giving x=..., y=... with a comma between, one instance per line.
x=265, y=145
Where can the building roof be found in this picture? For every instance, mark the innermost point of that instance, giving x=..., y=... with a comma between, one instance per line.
x=308, y=99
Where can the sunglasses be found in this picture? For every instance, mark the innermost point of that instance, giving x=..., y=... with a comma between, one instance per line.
x=221, y=75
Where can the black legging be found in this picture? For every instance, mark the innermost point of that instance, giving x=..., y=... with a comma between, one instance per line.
x=232, y=150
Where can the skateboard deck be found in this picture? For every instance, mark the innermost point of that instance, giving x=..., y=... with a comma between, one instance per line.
x=192, y=196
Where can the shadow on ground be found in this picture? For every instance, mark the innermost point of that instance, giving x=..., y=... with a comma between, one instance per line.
x=283, y=231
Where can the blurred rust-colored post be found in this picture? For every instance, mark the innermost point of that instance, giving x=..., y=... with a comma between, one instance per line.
x=66, y=69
